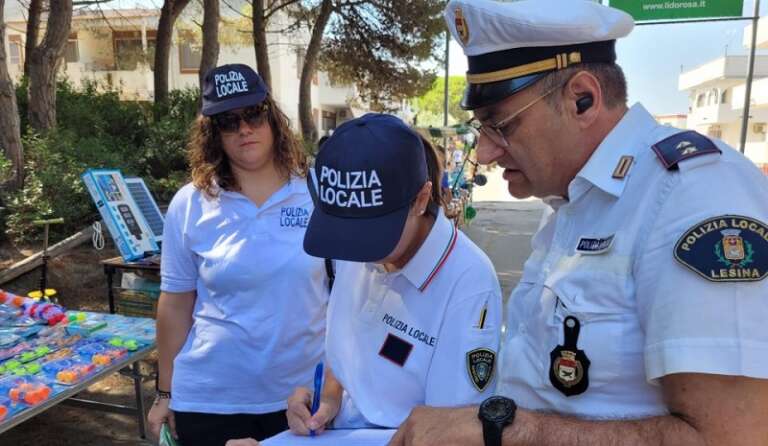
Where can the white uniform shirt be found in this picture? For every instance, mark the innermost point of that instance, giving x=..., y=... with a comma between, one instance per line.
x=425, y=316
x=643, y=314
x=259, y=317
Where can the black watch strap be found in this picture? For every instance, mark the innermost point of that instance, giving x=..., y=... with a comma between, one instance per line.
x=492, y=433
x=495, y=413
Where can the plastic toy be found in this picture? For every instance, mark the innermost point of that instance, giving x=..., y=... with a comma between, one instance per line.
x=85, y=328
x=29, y=392
x=101, y=359
x=12, y=365
x=50, y=313
x=5, y=404
x=74, y=374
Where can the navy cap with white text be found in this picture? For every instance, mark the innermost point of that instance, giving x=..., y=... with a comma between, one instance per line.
x=368, y=174
x=230, y=87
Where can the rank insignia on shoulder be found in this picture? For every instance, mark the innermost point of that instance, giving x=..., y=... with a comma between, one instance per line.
x=728, y=248
x=682, y=146
x=481, y=363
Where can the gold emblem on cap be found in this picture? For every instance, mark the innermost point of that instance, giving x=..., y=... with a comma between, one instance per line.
x=461, y=26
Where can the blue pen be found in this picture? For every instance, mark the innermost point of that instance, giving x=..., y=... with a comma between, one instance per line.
x=318, y=390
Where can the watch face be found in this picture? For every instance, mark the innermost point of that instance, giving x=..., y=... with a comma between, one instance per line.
x=497, y=409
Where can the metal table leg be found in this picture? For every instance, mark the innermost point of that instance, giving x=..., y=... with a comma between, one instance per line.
x=110, y=271
x=139, y=399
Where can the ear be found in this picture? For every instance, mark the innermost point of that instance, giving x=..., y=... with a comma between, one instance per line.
x=419, y=206
x=582, y=85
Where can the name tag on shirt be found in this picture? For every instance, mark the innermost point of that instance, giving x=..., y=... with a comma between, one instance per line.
x=594, y=245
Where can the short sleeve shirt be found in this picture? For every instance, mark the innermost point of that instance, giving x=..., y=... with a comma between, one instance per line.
x=259, y=315
x=426, y=334
x=607, y=258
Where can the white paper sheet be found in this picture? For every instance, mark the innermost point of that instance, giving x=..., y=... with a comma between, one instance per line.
x=334, y=437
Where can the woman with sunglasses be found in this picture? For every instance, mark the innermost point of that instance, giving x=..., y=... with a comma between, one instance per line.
x=415, y=313
x=241, y=316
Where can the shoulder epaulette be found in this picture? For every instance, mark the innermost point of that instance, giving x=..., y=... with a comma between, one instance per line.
x=681, y=146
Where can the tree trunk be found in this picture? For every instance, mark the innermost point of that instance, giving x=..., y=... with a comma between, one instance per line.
x=10, y=135
x=308, y=127
x=33, y=29
x=210, y=54
x=260, y=42
x=168, y=15
x=43, y=62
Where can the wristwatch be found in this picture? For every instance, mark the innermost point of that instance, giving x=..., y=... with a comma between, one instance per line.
x=495, y=413
x=160, y=394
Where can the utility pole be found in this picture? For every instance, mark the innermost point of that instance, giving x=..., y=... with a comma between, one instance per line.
x=750, y=75
x=445, y=89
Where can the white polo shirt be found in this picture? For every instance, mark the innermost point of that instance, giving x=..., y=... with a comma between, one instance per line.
x=259, y=317
x=606, y=257
x=407, y=338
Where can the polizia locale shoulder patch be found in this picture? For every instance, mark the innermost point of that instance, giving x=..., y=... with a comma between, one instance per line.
x=728, y=248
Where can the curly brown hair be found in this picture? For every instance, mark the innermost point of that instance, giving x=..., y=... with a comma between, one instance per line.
x=209, y=164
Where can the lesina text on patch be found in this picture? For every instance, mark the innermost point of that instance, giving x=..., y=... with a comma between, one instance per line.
x=727, y=248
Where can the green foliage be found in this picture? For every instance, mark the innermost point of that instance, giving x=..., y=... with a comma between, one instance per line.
x=95, y=130
x=384, y=46
x=430, y=105
x=166, y=140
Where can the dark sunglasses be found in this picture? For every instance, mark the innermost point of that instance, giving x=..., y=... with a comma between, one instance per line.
x=229, y=122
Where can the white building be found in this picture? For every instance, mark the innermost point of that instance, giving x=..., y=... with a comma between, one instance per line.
x=716, y=91
x=679, y=121
x=116, y=48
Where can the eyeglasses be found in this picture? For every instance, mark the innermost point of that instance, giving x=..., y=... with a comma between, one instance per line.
x=229, y=122
x=495, y=132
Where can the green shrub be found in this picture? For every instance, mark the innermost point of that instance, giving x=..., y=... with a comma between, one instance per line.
x=95, y=130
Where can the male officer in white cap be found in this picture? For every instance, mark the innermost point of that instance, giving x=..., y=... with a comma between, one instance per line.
x=640, y=316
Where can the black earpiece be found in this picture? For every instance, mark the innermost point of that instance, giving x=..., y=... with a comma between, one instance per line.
x=583, y=103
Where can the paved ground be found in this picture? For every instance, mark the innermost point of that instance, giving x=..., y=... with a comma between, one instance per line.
x=503, y=228
x=503, y=231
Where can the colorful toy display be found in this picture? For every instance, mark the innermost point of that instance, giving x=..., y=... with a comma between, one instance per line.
x=45, y=350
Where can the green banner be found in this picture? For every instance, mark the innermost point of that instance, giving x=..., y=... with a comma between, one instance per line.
x=679, y=9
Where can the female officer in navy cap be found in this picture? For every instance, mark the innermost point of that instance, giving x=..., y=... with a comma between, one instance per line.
x=241, y=316
x=415, y=312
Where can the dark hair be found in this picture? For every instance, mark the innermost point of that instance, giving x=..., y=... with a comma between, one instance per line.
x=321, y=141
x=209, y=162
x=610, y=76
x=435, y=175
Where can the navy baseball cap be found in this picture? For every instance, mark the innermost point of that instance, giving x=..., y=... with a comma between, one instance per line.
x=368, y=174
x=232, y=86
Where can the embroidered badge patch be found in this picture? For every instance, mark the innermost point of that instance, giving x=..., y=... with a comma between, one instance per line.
x=594, y=245
x=480, y=366
x=728, y=248
x=682, y=146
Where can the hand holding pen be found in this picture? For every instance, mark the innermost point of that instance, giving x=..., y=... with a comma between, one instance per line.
x=316, y=397
x=309, y=413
